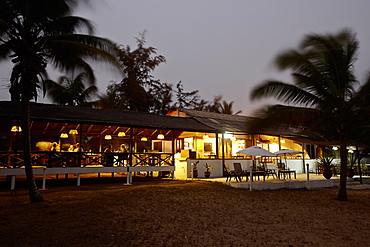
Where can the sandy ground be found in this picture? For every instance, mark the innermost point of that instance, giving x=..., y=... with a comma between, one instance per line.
x=182, y=213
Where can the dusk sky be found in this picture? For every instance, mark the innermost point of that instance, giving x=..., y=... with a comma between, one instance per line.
x=221, y=47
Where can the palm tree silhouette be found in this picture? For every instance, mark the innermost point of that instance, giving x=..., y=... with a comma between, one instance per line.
x=36, y=33
x=322, y=100
x=227, y=108
x=70, y=91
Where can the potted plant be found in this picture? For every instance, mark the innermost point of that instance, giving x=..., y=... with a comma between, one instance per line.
x=326, y=163
x=195, y=169
x=207, y=173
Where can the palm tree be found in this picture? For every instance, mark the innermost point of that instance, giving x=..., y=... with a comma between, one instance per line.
x=111, y=100
x=34, y=34
x=227, y=108
x=70, y=91
x=322, y=101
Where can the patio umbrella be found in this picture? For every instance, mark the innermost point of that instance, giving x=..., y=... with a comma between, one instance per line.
x=256, y=151
x=289, y=152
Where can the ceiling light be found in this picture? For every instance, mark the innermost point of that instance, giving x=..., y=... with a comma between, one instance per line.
x=73, y=132
x=121, y=134
x=16, y=129
x=144, y=139
x=205, y=136
x=108, y=137
x=64, y=135
x=160, y=136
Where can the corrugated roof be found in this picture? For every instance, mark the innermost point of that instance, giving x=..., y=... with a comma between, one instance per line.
x=221, y=122
x=73, y=114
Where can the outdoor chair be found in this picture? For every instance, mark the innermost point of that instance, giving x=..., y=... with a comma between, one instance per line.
x=271, y=170
x=259, y=171
x=239, y=173
x=281, y=166
x=284, y=172
x=319, y=168
x=229, y=174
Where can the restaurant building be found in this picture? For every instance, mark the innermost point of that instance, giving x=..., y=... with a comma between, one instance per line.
x=155, y=144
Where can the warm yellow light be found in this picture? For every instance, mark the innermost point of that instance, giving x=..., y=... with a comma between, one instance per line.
x=205, y=136
x=121, y=134
x=335, y=148
x=108, y=137
x=144, y=139
x=73, y=132
x=233, y=138
x=274, y=147
x=228, y=136
x=160, y=136
x=282, y=141
x=64, y=135
x=16, y=129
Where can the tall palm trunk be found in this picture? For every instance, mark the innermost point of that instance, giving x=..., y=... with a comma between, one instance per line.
x=342, y=192
x=34, y=193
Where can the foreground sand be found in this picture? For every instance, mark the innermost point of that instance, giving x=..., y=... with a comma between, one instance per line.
x=183, y=213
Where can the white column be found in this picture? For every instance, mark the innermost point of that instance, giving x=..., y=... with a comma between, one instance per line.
x=12, y=182
x=43, y=177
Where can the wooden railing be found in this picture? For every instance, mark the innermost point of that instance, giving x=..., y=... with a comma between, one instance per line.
x=83, y=159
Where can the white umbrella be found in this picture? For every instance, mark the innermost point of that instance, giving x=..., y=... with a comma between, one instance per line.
x=256, y=151
x=285, y=152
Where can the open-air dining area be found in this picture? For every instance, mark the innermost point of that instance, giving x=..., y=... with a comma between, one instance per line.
x=186, y=144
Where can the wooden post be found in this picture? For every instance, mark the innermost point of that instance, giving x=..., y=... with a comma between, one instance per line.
x=223, y=146
x=131, y=145
x=359, y=164
x=308, y=176
x=173, y=154
x=217, y=147
x=303, y=160
x=80, y=148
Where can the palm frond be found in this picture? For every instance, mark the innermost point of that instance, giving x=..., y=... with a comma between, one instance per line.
x=285, y=92
x=280, y=116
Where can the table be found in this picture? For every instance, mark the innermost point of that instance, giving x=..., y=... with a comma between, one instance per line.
x=286, y=173
x=259, y=173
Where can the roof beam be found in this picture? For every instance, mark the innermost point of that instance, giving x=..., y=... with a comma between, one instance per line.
x=89, y=128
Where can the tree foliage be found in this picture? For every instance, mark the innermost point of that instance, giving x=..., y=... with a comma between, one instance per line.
x=321, y=102
x=138, y=84
x=140, y=91
x=69, y=91
x=36, y=33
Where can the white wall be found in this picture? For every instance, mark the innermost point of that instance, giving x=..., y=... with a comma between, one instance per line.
x=217, y=170
x=298, y=165
x=181, y=169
